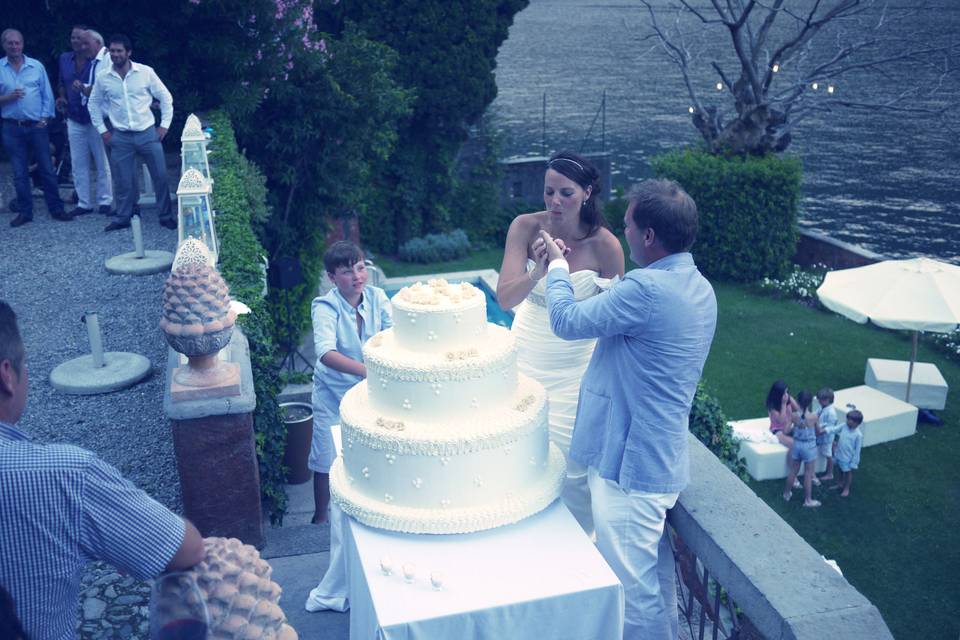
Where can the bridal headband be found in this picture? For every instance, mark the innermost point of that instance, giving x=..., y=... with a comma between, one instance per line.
x=573, y=162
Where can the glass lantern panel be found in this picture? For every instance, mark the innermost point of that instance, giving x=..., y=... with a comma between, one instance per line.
x=195, y=220
x=194, y=157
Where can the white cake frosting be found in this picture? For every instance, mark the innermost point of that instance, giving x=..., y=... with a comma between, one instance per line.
x=439, y=316
x=444, y=436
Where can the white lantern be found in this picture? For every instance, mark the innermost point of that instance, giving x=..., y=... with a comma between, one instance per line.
x=194, y=213
x=193, y=148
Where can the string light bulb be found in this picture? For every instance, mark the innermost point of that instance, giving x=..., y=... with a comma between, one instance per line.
x=830, y=88
x=719, y=86
x=691, y=109
x=815, y=86
x=776, y=67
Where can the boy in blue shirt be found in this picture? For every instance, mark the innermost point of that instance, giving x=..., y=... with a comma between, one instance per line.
x=830, y=423
x=343, y=319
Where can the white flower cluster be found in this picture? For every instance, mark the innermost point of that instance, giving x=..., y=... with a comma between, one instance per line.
x=801, y=284
x=437, y=292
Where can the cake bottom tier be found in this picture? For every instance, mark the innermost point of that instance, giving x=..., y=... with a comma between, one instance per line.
x=517, y=504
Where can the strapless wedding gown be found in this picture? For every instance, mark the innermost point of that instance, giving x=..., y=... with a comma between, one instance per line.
x=559, y=366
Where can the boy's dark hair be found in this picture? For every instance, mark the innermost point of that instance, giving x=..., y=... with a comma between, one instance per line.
x=825, y=394
x=855, y=415
x=663, y=205
x=119, y=38
x=11, y=344
x=341, y=254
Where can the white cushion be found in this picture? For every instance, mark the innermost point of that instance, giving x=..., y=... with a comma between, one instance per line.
x=928, y=389
x=766, y=459
x=885, y=418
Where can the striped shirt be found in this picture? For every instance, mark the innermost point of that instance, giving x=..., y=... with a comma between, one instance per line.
x=61, y=508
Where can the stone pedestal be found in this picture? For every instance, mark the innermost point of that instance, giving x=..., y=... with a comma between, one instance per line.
x=213, y=441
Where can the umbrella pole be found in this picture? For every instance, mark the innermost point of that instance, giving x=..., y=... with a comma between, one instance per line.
x=913, y=358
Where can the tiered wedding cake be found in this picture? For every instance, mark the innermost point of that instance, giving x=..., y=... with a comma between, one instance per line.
x=444, y=435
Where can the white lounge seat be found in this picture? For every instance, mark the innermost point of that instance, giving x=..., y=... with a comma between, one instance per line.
x=928, y=389
x=766, y=458
x=885, y=417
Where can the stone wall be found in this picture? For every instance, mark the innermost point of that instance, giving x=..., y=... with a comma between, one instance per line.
x=817, y=248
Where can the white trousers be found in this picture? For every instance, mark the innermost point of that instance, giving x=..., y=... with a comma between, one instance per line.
x=86, y=143
x=332, y=592
x=632, y=538
x=576, y=495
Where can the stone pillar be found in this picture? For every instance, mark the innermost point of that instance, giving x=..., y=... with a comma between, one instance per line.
x=213, y=441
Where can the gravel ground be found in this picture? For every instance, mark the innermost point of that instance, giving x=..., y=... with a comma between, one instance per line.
x=53, y=273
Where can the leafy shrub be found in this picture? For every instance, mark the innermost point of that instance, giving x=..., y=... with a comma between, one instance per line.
x=748, y=211
x=436, y=247
x=709, y=424
x=240, y=199
x=799, y=284
x=614, y=210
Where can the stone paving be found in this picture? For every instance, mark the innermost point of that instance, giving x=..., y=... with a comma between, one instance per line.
x=112, y=605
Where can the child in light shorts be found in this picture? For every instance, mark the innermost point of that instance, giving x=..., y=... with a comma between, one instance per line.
x=804, y=450
x=830, y=423
x=848, y=451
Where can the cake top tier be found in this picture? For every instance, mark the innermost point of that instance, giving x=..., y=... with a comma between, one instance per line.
x=437, y=317
x=438, y=296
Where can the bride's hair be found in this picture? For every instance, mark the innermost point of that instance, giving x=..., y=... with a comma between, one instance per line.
x=582, y=171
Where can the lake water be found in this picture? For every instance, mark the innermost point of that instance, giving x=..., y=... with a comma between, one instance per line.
x=889, y=182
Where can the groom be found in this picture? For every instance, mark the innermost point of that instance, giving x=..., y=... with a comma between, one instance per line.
x=654, y=328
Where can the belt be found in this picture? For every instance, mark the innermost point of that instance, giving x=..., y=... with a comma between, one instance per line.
x=22, y=123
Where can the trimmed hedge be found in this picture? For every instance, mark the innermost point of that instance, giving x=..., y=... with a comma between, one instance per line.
x=239, y=197
x=436, y=247
x=709, y=424
x=748, y=211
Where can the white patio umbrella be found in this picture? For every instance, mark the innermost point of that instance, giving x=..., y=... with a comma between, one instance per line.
x=917, y=295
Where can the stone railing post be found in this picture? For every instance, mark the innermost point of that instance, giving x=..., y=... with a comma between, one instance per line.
x=213, y=441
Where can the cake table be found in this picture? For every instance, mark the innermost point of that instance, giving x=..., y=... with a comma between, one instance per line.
x=539, y=578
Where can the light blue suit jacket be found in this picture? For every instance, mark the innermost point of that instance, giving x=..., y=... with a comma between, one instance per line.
x=655, y=328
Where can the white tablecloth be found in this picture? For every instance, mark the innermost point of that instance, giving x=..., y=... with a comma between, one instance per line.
x=540, y=578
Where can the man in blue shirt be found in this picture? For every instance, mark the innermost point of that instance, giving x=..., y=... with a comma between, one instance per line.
x=78, y=69
x=26, y=104
x=654, y=331
x=61, y=508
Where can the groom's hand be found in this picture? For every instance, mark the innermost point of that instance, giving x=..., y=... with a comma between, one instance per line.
x=548, y=246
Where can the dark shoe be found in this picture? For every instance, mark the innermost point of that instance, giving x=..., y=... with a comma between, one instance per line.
x=62, y=216
x=107, y=210
x=19, y=221
x=169, y=223
x=80, y=211
x=113, y=226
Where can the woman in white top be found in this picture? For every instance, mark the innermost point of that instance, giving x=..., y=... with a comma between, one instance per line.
x=571, y=189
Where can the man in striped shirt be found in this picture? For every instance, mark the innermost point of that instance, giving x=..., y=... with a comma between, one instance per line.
x=61, y=508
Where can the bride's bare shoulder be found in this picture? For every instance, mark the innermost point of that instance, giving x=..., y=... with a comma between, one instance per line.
x=527, y=223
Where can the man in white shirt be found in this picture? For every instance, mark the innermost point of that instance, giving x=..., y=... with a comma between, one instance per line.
x=124, y=94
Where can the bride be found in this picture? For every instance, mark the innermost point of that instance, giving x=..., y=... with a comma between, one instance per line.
x=571, y=188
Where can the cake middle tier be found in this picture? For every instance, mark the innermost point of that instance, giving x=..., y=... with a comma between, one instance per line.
x=431, y=387
x=466, y=461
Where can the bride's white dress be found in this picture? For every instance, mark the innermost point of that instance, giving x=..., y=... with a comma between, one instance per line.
x=559, y=366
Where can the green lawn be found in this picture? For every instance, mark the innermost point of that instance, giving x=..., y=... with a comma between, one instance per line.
x=895, y=537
